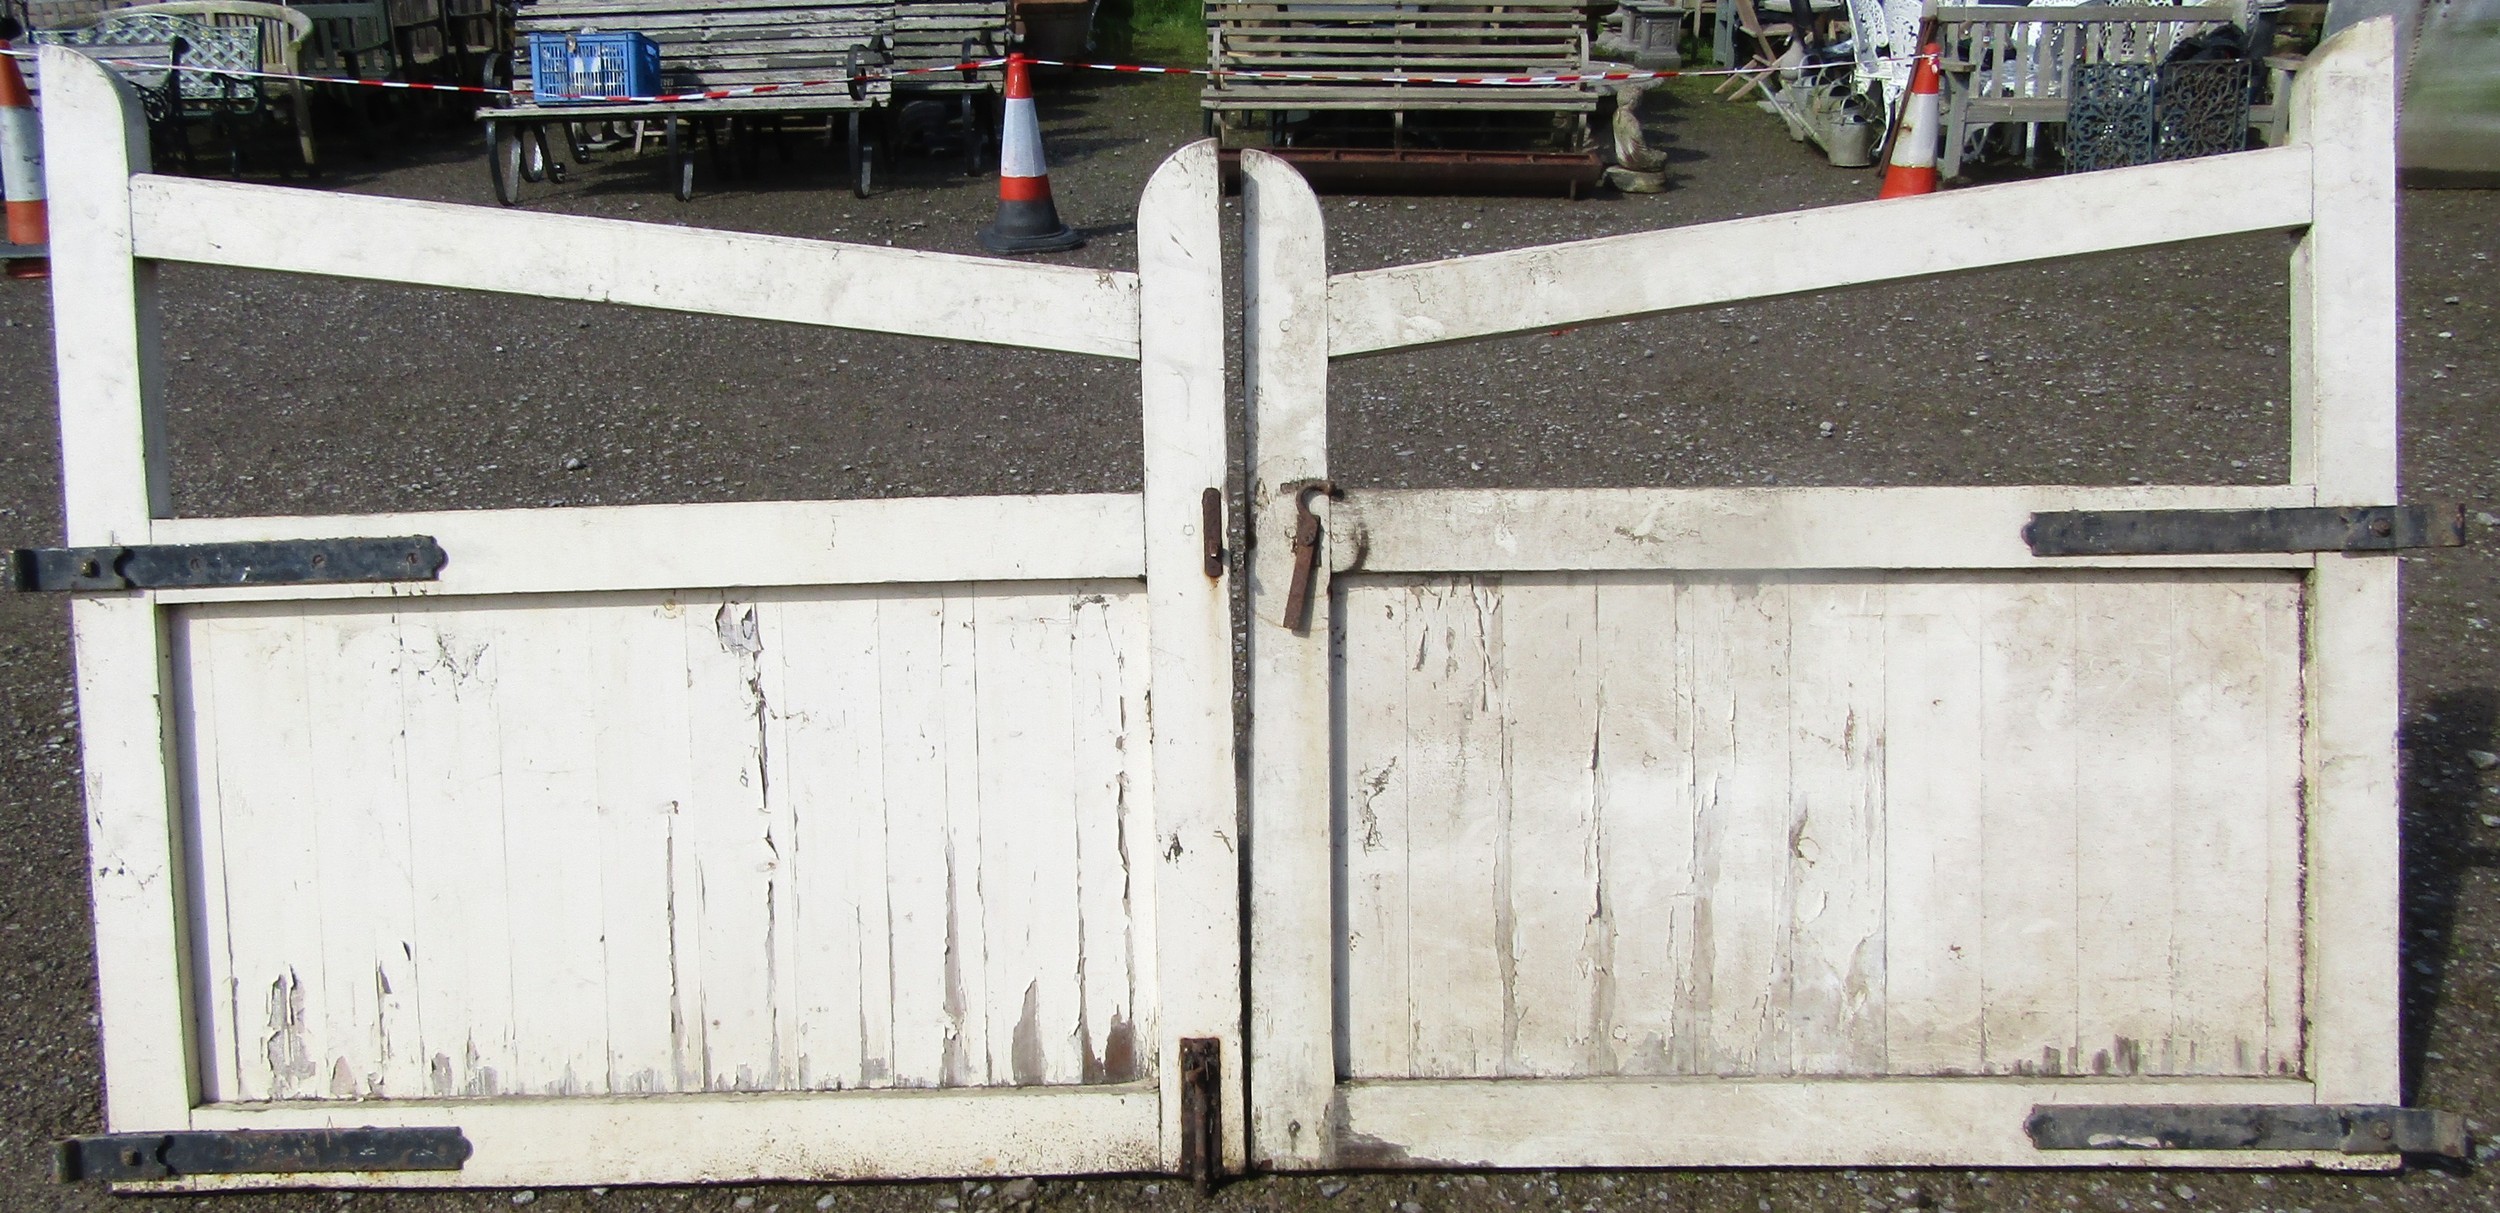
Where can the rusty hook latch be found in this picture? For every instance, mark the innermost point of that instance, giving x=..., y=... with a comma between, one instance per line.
x=1305, y=550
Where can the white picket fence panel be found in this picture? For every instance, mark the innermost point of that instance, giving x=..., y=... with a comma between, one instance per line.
x=1819, y=826
x=661, y=843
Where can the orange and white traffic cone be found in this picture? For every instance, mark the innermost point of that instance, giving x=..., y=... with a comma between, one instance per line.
x=21, y=164
x=1027, y=222
x=1912, y=166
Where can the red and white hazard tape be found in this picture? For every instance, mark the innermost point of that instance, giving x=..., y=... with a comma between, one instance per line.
x=1138, y=69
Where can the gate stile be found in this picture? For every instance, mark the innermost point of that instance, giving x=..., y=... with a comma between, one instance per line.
x=1656, y=743
x=264, y=718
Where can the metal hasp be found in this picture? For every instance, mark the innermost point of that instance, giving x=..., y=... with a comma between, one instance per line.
x=2346, y=1128
x=192, y=565
x=115, y=1157
x=2361, y=528
x=1202, y=1110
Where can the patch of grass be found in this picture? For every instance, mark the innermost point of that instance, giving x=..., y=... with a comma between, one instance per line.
x=1163, y=32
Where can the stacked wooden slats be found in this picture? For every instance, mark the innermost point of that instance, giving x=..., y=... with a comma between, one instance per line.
x=734, y=43
x=1379, y=37
x=935, y=33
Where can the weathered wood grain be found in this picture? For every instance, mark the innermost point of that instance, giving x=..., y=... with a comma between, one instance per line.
x=1806, y=824
x=649, y=844
x=1296, y=890
x=2344, y=398
x=113, y=481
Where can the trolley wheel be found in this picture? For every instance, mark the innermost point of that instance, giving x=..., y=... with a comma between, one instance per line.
x=533, y=143
x=503, y=161
x=680, y=157
x=863, y=159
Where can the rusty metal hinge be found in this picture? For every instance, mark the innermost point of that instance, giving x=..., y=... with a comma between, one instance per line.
x=2366, y=528
x=168, y=566
x=1202, y=1110
x=116, y=1157
x=2343, y=1128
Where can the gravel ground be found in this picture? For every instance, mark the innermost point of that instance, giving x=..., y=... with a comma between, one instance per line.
x=311, y=395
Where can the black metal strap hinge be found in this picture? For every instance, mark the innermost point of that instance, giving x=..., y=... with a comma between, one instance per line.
x=169, y=566
x=2370, y=528
x=2344, y=1128
x=115, y=1157
x=1202, y=1110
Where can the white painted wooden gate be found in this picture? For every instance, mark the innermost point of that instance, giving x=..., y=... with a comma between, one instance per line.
x=1819, y=825
x=651, y=844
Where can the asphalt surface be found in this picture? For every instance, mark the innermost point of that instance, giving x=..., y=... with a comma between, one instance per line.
x=293, y=395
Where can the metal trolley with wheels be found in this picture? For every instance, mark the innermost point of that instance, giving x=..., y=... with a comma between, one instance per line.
x=823, y=62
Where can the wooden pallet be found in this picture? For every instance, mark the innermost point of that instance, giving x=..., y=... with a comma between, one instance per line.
x=1373, y=37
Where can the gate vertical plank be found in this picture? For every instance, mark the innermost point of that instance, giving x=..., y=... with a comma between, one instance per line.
x=2287, y=936
x=189, y=649
x=968, y=1046
x=365, y=912
x=1645, y=809
x=254, y=672
x=1734, y=639
x=2027, y=829
x=640, y=698
x=2129, y=866
x=1836, y=826
x=1376, y=1002
x=1028, y=837
x=2222, y=795
x=1460, y=930
x=1293, y=1022
x=550, y=815
x=2344, y=431
x=1560, y=971
x=732, y=875
x=911, y=630
x=827, y=733
x=1935, y=937
x=113, y=484
x=449, y=674
x=1189, y=622
x=1109, y=672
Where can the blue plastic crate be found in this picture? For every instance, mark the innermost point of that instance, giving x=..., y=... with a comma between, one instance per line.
x=580, y=66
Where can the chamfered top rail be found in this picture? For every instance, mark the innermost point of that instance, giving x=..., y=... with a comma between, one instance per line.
x=1712, y=264
x=853, y=286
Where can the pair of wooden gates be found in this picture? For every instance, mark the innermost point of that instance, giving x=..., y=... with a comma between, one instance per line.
x=902, y=838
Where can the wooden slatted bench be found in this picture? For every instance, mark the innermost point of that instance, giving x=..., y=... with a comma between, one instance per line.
x=2004, y=63
x=939, y=33
x=1431, y=37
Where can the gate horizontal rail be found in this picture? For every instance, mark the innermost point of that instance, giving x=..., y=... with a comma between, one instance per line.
x=717, y=545
x=1859, y=244
x=757, y=277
